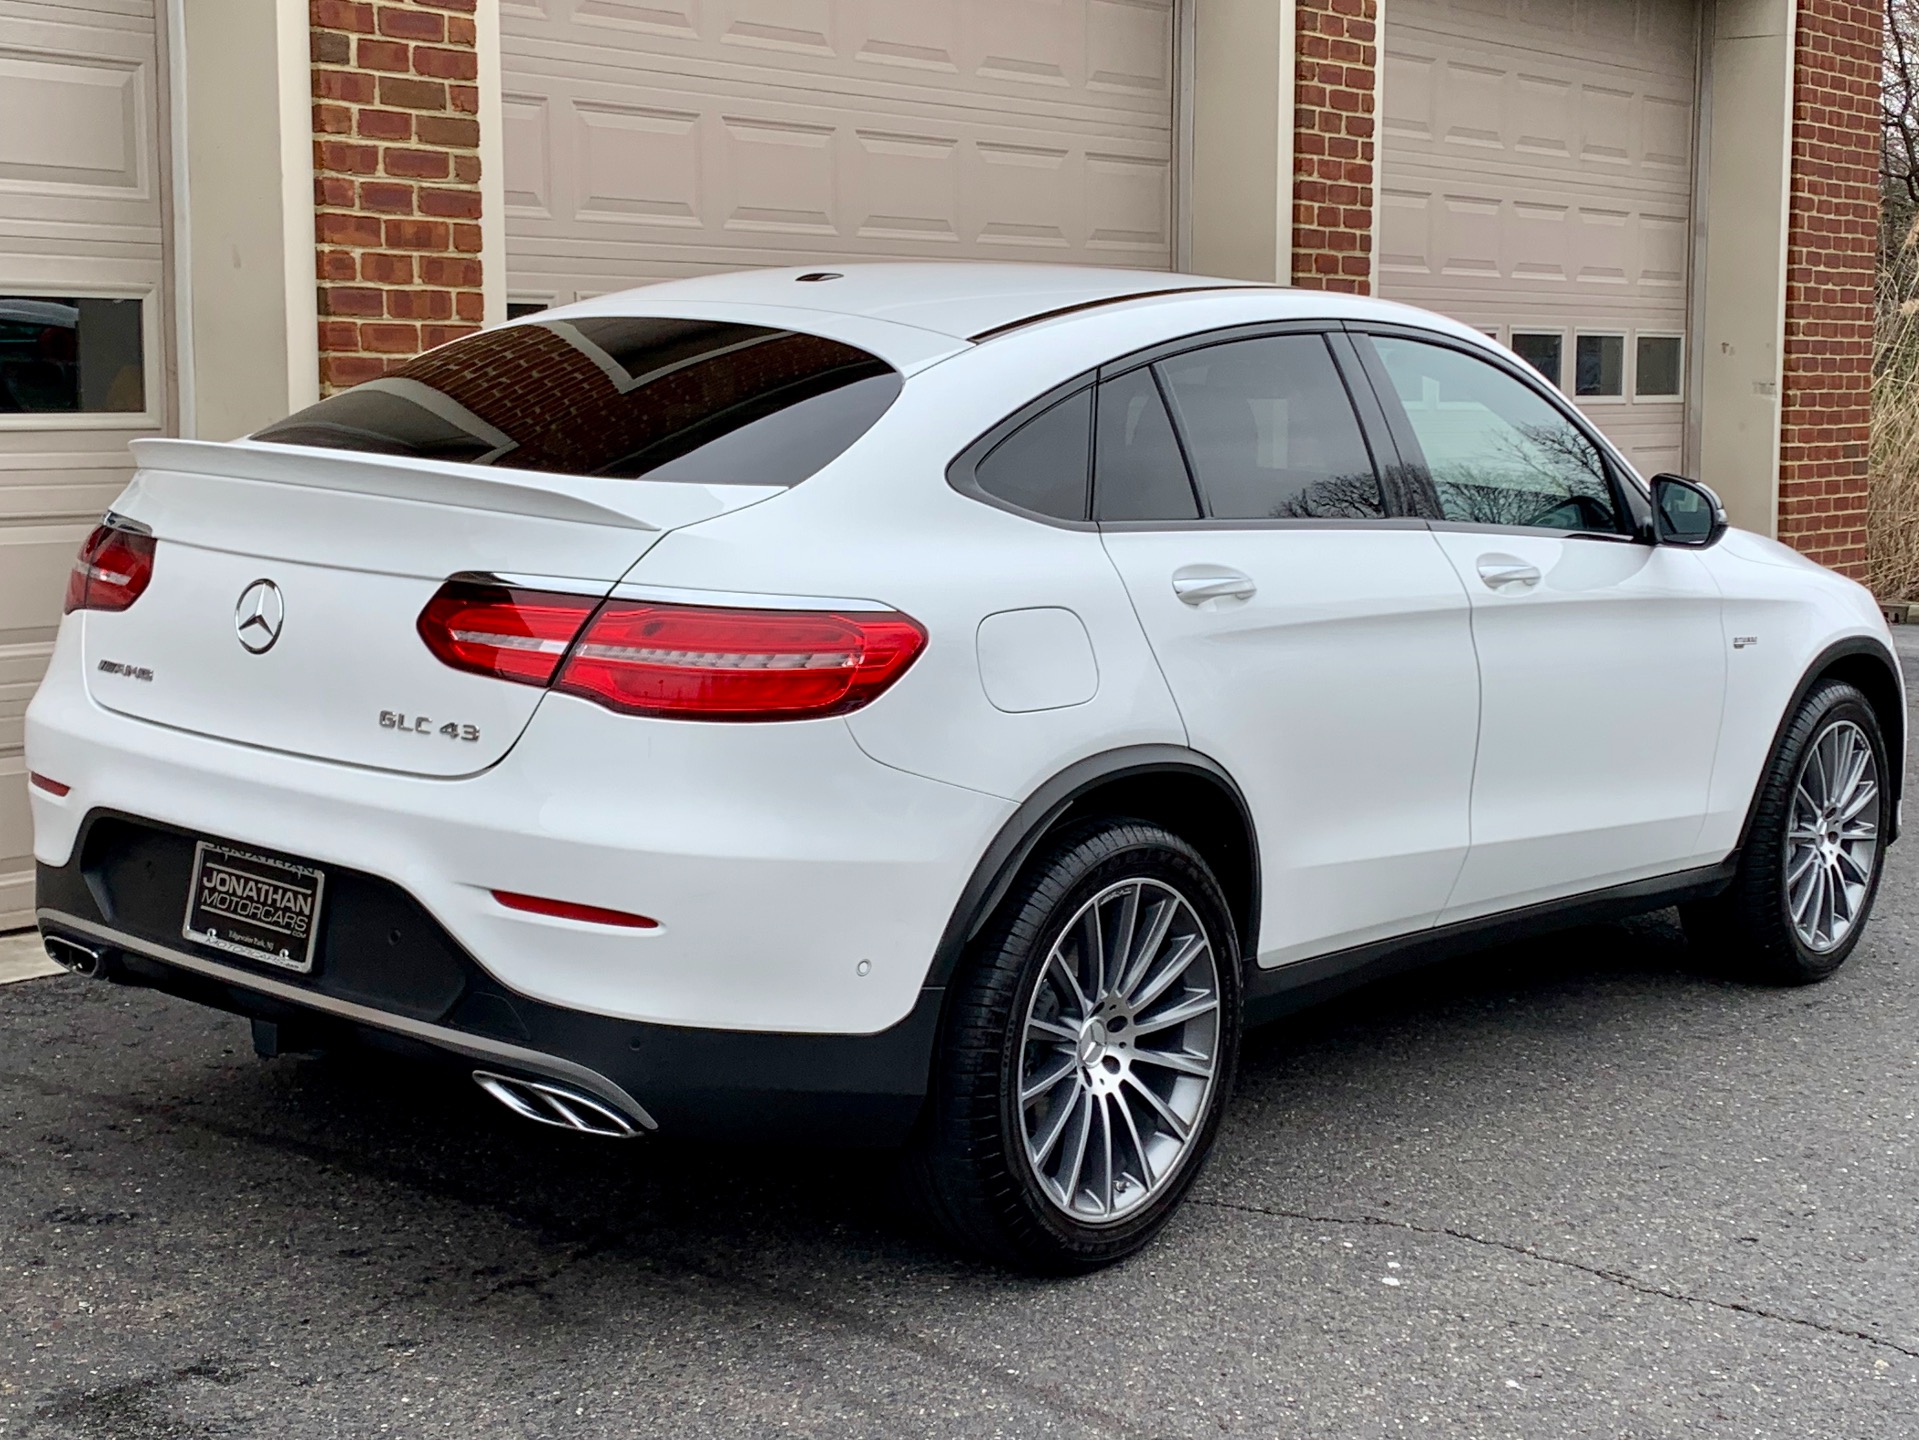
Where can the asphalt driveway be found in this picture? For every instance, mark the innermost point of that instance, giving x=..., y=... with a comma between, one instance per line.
x=1574, y=1188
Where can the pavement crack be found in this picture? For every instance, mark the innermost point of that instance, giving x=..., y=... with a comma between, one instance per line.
x=1599, y=1272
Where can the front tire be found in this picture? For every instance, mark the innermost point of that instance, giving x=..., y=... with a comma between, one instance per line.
x=1810, y=867
x=1087, y=1053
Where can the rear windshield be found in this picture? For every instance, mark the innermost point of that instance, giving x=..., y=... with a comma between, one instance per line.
x=699, y=401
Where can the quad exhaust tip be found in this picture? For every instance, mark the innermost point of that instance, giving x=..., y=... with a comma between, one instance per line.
x=88, y=961
x=555, y=1104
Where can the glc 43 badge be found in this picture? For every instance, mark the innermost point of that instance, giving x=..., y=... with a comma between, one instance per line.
x=423, y=725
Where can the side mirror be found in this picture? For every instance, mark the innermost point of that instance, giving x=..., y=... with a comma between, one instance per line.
x=1684, y=512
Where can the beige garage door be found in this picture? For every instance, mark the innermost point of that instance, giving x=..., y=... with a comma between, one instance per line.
x=656, y=138
x=80, y=328
x=1537, y=183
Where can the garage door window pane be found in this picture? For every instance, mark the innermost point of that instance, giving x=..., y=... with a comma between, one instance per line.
x=1656, y=368
x=72, y=356
x=699, y=401
x=1044, y=465
x=1543, y=351
x=1497, y=451
x=1599, y=366
x=1270, y=431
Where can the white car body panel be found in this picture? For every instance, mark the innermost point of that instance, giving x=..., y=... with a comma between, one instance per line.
x=1602, y=687
x=362, y=562
x=1781, y=613
x=1343, y=697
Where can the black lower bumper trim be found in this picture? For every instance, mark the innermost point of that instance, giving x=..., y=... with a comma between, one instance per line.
x=679, y=1080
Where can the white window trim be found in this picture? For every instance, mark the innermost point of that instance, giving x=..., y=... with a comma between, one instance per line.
x=1625, y=338
x=152, y=340
x=1676, y=398
x=1558, y=332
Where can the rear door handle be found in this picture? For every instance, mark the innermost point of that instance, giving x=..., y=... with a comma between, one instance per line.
x=1196, y=584
x=1501, y=572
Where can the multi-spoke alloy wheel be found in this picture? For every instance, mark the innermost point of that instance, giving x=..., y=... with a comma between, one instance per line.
x=1808, y=866
x=1832, y=836
x=1119, y=1050
x=1087, y=1051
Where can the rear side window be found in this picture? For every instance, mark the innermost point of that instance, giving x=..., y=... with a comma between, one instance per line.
x=1138, y=472
x=1271, y=432
x=699, y=401
x=1044, y=465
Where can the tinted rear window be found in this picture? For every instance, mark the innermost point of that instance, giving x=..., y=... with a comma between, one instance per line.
x=699, y=401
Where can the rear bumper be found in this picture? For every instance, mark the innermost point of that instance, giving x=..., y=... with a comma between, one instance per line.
x=801, y=886
x=425, y=996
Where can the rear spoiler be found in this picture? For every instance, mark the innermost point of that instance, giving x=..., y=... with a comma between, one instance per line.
x=583, y=499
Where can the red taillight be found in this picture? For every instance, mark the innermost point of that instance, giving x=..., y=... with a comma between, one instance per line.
x=112, y=571
x=568, y=910
x=697, y=663
x=51, y=786
x=689, y=661
x=500, y=631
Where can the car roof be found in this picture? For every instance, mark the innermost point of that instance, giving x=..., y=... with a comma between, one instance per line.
x=965, y=301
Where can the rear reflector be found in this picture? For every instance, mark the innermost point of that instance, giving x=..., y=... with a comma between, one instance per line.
x=567, y=910
x=112, y=571
x=697, y=663
x=500, y=631
x=690, y=662
x=52, y=787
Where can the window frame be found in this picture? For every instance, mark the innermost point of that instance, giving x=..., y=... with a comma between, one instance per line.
x=1557, y=332
x=152, y=342
x=1596, y=332
x=1630, y=498
x=1677, y=397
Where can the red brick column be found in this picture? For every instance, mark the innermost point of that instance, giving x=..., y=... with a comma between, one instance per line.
x=1335, y=88
x=1832, y=233
x=396, y=180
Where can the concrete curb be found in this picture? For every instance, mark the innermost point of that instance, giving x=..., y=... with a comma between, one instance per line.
x=21, y=958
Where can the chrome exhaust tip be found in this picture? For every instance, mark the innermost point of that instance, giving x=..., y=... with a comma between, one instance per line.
x=554, y=1104
x=88, y=961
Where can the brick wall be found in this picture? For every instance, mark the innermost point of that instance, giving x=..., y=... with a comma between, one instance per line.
x=1831, y=239
x=396, y=180
x=1335, y=91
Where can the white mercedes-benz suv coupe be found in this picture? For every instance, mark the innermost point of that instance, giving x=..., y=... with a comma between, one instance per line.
x=931, y=705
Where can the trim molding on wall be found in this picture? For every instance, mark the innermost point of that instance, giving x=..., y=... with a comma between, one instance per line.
x=492, y=117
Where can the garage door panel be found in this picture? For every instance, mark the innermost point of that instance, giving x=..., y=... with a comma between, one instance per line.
x=1537, y=176
x=80, y=219
x=1075, y=52
x=639, y=145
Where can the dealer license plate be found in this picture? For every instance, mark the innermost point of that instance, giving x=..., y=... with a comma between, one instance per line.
x=254, y=905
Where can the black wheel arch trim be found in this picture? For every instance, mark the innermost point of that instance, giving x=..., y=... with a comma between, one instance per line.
x=1029, y=825
x=1892, y=721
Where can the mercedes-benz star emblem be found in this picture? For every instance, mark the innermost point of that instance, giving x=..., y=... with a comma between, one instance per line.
x=259, y=615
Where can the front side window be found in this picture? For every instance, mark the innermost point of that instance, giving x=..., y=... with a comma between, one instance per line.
x=1497, y=452
x=699, y=401
x=1138, y=472
x=1271, y=432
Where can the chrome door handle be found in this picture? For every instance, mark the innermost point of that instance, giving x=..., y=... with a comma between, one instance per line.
x=1196, y=584
x=1500, y=571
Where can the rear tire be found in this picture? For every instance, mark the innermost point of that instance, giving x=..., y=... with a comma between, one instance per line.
x=1088, y=1048
x=1810, y=867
